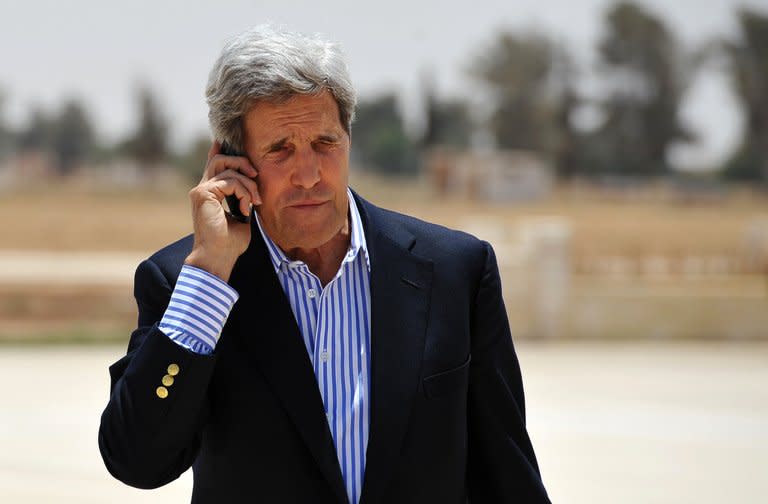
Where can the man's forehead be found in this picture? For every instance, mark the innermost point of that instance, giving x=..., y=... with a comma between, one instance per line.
x=319, y=103
x=320, y=112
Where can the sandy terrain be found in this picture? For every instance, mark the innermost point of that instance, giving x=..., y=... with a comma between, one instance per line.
x=630, y=423
x=63, y=218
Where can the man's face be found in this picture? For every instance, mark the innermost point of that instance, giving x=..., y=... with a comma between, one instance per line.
x=301, y=153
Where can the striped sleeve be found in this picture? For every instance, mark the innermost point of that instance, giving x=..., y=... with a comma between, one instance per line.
x=199, y=307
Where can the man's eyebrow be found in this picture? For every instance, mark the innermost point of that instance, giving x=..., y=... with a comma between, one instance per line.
x=328, y=137
x=276, y=145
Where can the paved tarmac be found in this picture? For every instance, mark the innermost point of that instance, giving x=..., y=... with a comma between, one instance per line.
x=629, y=423
x=40, y=267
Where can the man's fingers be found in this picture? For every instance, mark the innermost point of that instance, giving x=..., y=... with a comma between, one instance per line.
x=221, y=188
x=243, y=194
x=226, y=184
x=250, y=184
x=222, y=162
x=244, y=198
x=218, y=162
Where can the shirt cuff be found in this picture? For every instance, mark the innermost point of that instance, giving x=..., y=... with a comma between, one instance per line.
x=198, y=310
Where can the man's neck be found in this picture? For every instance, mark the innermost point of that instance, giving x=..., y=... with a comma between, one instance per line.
x=325, y=260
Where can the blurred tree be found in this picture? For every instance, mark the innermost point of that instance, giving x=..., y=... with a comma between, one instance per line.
x=749, y=67
x=148, y=144
x=531, y=83
x=379, y=138
x=447, y=121
x=36, y=135
x=567, y=140
x=566, y=151
x=192, y=162
x=72, y=137
x=642, y=62
x=516, y=69
x=6, y=135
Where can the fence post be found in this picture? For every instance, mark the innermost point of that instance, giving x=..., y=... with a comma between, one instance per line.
x=547, y=240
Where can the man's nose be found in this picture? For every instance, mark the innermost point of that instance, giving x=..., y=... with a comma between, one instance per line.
x=306, y=172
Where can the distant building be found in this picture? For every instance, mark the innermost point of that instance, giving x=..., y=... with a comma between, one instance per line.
x=26, y=168
x=489, y=176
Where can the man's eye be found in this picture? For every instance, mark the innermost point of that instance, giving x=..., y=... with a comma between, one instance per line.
x=324, y=144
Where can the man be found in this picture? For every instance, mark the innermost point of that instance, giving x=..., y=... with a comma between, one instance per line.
x=327, y=351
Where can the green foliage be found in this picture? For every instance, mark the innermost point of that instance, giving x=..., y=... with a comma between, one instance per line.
x=71, y=136
x=192, y=162
x=36, y=135
x=635, y=39
x=67, y=136
x=515, y=65
x=149, y=142
x=447, y=121
x=379, y=140
x=748, y=164
x=6, y=135
x=531, y=83
x=518, y=70
x=643, y=61
x=568, y=145
x=749, y=68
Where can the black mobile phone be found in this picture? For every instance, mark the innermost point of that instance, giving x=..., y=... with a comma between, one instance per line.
x=232, y=202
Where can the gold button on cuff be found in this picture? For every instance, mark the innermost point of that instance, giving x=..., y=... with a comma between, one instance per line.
x=162, y=392
x=173, y=369
x=167, y=380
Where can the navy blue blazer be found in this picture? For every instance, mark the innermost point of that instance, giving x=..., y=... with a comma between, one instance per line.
x=447, y=409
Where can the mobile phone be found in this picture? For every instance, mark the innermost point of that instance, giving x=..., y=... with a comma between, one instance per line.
x=232, y=202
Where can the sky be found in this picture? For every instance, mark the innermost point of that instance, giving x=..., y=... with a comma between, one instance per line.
x=101, y=52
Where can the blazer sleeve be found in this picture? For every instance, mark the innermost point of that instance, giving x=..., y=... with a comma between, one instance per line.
x=148, y=438
x=502, y=465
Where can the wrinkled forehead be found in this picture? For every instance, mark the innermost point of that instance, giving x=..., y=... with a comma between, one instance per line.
x=285, y=103
x=303, y=117
x=320, y=108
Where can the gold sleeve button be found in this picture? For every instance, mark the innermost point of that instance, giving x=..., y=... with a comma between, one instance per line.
x=162, y=392
x=167, y=380
x=173, y=369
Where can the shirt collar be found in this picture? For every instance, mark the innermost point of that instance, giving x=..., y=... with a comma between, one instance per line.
x=357, y=241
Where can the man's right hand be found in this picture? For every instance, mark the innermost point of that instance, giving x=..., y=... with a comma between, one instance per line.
x=219, y=238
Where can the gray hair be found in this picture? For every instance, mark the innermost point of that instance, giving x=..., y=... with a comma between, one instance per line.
x=272, y=64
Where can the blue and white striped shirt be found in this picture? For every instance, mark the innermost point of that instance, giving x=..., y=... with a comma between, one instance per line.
x=335, y=324
x=199, y=307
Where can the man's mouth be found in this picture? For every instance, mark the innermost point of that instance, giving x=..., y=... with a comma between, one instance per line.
x=308, y=204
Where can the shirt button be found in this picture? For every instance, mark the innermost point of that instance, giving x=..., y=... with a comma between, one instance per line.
x=312, y=293
x=324, y=356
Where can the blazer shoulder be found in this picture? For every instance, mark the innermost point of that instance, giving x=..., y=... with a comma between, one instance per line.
x=436, y=242
x=155, y=279
x=170, y=258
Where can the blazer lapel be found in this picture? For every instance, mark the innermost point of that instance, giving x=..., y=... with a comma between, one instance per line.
x=265, y=323
x=401, y=285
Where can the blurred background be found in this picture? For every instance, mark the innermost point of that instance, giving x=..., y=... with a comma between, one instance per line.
x=614, y=153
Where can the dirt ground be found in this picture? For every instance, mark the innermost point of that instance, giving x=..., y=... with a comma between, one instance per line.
x=629, y=423
x=63, y=218
x=67, y=256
